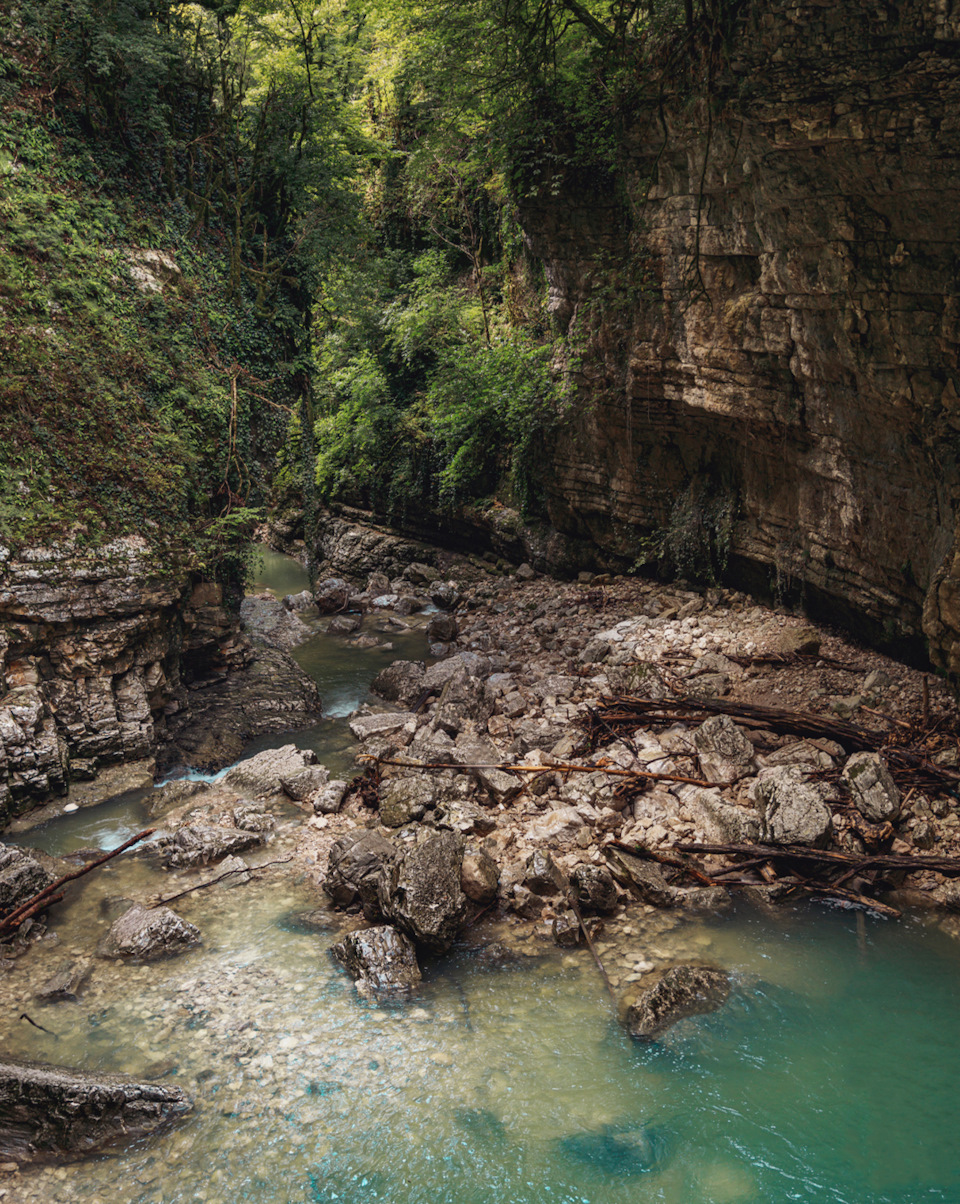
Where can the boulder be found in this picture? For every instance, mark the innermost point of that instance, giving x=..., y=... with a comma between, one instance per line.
x=343, y=625
x=594, y=888
x=479, y=876
x=354, y=867
x=329, y=799
x=725, y=753
x=719, y=820
x=873, y=790
x=445, y=595
x=792, y=811
x=646, y=877
x=463, y=815
x=420, y=574
x=542, y=875
x=400, y=682
x=300, y=602
x=676, y=993
x=270, y=621
x=21, y=877
x=332, y=595
x=616, y=1151
x=51, y=1113
x=305, y=782
x=197, y=844
x=443, y=629
x=462, y=700
x=263, y=774
x=562, y=821
x=797, y=641
x=382, y=960
x=251, y=817
x=477, y=757
x=403, y=800
x=147, y=934
x=385, y=723
x=420, y=891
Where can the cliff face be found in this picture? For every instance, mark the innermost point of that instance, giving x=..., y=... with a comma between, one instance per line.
x=769, y=332
x=96, y=653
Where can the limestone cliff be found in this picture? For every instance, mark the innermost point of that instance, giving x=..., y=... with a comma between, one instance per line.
x=768, y=328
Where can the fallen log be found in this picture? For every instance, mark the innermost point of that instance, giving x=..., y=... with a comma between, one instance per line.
x=950, y=866
x=44, y=897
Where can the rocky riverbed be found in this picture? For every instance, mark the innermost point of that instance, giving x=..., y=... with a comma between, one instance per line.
x=443, y=845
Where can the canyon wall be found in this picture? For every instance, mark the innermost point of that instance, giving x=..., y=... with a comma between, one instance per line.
x=766, y=320
x=97, y=651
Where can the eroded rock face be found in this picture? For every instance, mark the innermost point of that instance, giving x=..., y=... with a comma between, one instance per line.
x=109, y=656
x=49, y=1112
x=808, y=391
x=382, y=960
x=681, y=991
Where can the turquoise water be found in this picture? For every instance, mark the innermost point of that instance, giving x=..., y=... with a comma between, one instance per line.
x=829, y=1076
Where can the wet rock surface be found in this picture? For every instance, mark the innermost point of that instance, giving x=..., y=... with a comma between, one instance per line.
x=677, y=993
x=21, y=877
x=49, y=1112
x=146, y=934
x=382, y=960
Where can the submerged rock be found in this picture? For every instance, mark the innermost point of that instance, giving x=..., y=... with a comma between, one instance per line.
x=66, y=982
x=617, y=1149
x=681, y=991
x=150, y=933
x=420, y=891
x=49, y=1112
x=382, y=960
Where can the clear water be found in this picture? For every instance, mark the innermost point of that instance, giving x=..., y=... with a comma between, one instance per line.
x=830, y=1076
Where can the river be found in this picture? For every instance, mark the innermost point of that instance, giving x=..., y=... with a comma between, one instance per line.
x=830, y=1075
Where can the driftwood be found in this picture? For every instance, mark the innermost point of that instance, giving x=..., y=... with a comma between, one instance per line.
x=559, y=767
x=821, y=877
x=910, y=765
x=45, y=897
x=247, y=869
x=593, y=952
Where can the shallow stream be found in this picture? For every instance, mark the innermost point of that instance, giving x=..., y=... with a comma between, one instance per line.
x=830, y=1076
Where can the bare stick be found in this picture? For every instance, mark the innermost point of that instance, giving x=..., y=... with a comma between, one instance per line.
x=247, y=869
x=593, y=952
x=24, y=1016
x=16, y=917
x=560, y=767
